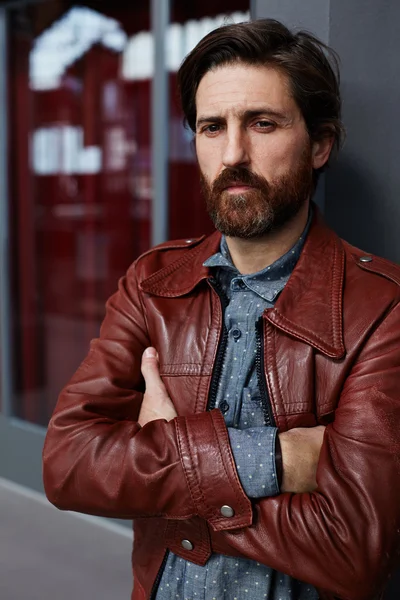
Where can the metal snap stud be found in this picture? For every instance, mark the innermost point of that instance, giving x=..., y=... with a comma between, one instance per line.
x=187, y=544
x=227, y=511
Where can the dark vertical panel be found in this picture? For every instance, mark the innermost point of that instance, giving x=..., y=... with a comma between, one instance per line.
x=362, y=189
x=362, y=199
x=311, y=14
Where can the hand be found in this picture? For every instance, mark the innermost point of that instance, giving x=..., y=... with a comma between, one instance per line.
x=300, y=454
x=156, y=402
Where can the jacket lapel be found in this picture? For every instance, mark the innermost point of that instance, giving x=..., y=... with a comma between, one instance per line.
x=310, y=306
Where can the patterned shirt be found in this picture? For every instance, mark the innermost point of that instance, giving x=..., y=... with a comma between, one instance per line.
x=252, y=439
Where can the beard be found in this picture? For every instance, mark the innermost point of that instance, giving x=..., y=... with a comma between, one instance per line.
x=266, y=207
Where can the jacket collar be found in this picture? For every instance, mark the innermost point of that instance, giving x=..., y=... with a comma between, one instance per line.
x=310, y=306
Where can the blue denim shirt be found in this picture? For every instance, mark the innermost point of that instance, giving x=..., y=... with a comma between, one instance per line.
x=252, y=440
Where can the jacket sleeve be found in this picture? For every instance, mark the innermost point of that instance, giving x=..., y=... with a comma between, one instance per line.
x=344, y=537
x=97, y=459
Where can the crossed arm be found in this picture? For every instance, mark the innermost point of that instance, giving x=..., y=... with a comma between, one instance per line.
x=341, y=537
x=300, y=447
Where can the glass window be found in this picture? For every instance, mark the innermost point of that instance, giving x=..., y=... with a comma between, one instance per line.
x=80, y=179
x=190, y=21
x=80, y=171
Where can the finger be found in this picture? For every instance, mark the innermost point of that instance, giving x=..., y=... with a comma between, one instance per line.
x=150, y=370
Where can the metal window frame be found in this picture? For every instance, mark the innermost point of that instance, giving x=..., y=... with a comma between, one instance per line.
x=6, y=349
x=160, y=19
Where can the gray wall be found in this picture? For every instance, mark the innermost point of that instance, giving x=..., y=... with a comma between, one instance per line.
x=362, y=200
x=362, y=189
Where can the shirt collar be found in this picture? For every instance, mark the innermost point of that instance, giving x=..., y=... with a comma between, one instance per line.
x=267, y=283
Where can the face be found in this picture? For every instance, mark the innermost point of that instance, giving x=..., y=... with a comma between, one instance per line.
x=254, y=152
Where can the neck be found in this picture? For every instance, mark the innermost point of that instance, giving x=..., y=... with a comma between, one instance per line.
x=253, y=255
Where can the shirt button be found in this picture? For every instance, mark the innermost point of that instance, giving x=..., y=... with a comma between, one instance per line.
x=241, y=284
x=227, y=511
x=236, y=333
x=224, y=407
x=187, y=544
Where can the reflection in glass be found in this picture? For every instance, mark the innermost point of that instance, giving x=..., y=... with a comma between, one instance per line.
x=80, y=171
x=190, y=22
x=80, y=182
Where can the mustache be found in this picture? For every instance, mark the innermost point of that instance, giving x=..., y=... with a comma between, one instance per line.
x=240, y=176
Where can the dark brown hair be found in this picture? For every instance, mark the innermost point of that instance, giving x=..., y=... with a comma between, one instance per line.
x=310, y=65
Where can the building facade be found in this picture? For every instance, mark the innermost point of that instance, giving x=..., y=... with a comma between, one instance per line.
x=96, y=167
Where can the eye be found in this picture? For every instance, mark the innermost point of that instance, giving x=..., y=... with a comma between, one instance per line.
x=265, y=124
x=212, y=129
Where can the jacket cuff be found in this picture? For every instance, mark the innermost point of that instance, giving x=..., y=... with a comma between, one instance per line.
x=211, y=476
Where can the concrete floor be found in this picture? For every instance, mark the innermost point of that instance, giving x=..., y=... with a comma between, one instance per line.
x=46, y=554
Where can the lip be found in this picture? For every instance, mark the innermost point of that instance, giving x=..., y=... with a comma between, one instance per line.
x=238, y=188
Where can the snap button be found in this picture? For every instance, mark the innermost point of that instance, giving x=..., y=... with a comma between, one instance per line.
x=236, y=333
x=227, y=511
x=187, y=544
x=224, y=407
x=366, y=259
x=238, y=284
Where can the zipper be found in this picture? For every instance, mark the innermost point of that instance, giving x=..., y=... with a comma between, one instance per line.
x=159, y=575
x=265, y=397
x=212, y=396
x=219, y=360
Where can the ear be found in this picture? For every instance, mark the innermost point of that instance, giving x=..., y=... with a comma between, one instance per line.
x=321, y=150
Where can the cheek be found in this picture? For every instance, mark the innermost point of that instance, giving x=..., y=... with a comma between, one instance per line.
x=276, y=158
x=209, y=161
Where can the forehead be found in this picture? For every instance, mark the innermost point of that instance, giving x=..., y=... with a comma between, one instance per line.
x=239, y=87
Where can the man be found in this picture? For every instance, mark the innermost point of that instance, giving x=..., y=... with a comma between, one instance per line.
x=258, y=451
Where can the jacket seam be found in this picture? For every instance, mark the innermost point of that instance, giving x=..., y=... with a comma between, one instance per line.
x=202, y=374
x=168, y=269
x=204, y=546
x=197, y=483
x=182, y=373
x=268, y=375
x=355, y=254
x=219, y=324
x=188, y=483
x=144, y=312
x=337, y=279
x=197, y=392
x=229, y=458
x=273, y=355
x=183, y=364
x=173, y=245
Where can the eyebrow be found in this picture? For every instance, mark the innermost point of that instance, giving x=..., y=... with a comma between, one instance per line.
x=246, y=115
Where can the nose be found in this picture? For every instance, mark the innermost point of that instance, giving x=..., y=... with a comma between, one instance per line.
x=235, y=152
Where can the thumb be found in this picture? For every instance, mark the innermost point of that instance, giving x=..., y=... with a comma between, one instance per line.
x=150, y=369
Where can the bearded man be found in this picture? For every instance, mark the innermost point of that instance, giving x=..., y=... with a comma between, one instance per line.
x=242, y=401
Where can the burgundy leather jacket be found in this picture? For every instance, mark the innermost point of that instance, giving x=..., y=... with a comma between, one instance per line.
x=331, y=355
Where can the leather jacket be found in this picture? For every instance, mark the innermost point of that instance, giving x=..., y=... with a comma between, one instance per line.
x=330, y=354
